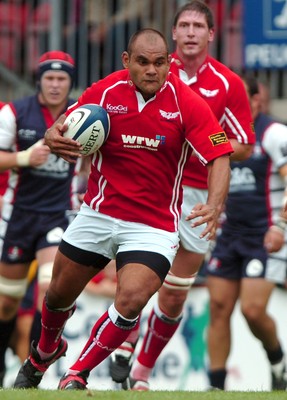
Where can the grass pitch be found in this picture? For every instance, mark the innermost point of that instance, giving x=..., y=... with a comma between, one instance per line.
x=33, y=394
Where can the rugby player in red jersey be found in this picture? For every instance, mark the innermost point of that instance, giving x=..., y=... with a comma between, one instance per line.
x=224, y=92
x=132, y=206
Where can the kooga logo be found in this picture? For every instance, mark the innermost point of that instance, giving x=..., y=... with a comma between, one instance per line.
x=119, y=109
x=140, y=142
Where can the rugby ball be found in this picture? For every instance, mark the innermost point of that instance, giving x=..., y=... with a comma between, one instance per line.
x=89, y=124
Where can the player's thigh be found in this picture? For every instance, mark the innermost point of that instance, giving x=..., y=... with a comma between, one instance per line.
x=14, y=271
x=69, y=278
x=186, y=263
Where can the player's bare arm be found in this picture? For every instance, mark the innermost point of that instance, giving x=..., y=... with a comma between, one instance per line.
x=218, y=185
x=242, y=151
x=32, y=157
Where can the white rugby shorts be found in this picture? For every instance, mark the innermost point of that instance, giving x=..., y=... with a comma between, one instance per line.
x=105, y=235
x=189, y=237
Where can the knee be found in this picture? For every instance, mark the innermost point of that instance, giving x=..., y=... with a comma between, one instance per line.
x=134, y=290
x=8, y=307
x=171, y=301
x=130, y=302
x=216, y=306
x=252, y=312
x=219, y=311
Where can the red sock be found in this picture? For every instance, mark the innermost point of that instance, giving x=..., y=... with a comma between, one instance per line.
x=160, y=331
x=53, y=323
x=106, y=336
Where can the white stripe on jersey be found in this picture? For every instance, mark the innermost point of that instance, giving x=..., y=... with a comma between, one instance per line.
x=176, y=100
x=229, y=117
x=235, y=126
x=95, y=203
x=222, y=77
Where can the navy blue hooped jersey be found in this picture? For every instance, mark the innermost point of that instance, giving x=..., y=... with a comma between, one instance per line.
x=46, y=188
x=256, y=187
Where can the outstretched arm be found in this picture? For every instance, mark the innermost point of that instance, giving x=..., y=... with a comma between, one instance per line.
x=218, y=186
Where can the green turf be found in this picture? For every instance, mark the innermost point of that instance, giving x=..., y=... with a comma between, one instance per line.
x=13, y=394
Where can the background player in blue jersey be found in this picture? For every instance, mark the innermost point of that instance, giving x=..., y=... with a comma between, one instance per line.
x=245, y=263
x=39, y=189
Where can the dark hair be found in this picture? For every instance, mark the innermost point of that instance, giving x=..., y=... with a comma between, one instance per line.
x=144, y=31
x=196, y=5
x=251, y=83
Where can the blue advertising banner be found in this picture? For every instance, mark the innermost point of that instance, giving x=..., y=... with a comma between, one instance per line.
x=265, y=33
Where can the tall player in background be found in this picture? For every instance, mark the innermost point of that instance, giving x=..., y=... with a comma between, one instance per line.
x=223, y=90
x=39, y=190
x=245, y=264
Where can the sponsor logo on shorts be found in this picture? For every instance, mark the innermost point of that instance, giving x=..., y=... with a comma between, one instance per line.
x=213, y=264
x=14, y=253
x=254, y=268
x=218, y=138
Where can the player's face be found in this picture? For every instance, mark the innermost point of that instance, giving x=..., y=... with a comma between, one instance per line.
x=192, y=34
x=148, y=65
x=55, y=88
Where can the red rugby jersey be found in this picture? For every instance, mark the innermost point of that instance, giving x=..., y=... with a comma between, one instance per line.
x=225, y=93
x=137, y=174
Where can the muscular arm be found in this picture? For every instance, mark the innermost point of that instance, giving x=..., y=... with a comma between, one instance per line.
x=241, y=151
x=218, y=186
